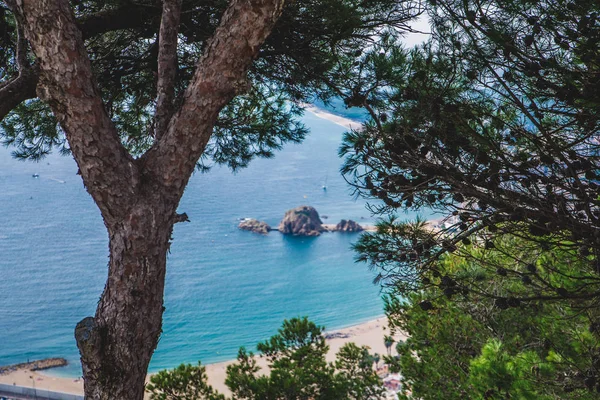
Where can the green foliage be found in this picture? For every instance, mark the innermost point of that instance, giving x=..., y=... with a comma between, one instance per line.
x=498, y=374
x=388, y=341
x=254, y=125
x=434, y=360
x=33, y=131
x=297, y=370
x=484, y=344
x=186, y=382
x=301, y=60
x=355, y=377
x=493, y=124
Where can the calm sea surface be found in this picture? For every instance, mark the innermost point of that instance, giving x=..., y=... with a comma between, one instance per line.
x=225, y=287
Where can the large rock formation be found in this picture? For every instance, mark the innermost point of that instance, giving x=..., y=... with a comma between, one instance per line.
x=301, y=221
x=348, y=226
x=254, y=225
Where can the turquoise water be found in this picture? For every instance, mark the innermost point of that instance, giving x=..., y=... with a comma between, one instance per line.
x=225, y=287
x=336, y=106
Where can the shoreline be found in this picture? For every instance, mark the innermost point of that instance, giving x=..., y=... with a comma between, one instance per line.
x=336, y=119
x=369, y=333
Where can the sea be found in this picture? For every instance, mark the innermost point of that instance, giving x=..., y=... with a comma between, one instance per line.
x=225, y=288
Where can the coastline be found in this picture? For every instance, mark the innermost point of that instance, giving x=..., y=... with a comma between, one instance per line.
x=336, y=119
x=368, y=333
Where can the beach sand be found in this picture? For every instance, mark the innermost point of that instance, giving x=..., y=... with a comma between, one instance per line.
x=345, y=122
x=369, y=334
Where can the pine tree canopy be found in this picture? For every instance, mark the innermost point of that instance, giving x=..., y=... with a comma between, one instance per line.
x=493, y=124
x=303, y=59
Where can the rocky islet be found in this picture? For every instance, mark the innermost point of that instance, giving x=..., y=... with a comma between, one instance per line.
x=300, y=221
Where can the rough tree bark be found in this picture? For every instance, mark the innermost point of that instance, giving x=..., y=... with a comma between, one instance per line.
x=137, y=198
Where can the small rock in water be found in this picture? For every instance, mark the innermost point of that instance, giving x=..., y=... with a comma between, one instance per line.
x=254, y=225
x=348, y=226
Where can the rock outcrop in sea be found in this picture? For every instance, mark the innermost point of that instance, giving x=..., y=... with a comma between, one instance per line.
x=254, y=225
x=348, y=226
x=301, y=221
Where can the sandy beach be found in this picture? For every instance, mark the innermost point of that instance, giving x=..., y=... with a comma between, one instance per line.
x=366, y=334
x=345, y=122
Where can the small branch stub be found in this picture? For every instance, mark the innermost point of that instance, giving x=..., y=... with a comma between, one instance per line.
x=181, y=218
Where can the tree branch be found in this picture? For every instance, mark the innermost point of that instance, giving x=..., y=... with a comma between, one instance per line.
x=67, y=85
x=22, y=62
x=181, y=218
x=125, y=17
x=22, y=87
x=17, y=90
x=220, y=75
x=167, y=65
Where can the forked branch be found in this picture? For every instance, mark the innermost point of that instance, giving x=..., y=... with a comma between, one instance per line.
x=219, y=76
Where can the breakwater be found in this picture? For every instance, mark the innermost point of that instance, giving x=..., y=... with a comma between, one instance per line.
x=35, y=365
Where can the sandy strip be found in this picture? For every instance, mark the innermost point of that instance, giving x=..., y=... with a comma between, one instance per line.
x=366, y=334
x=345, y=122
x=333, y=227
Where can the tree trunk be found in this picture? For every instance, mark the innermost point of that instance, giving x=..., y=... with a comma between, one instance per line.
x=138, y=198
x=117, y=344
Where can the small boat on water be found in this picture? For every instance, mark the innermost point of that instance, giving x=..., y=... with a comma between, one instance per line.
x=35, y=175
